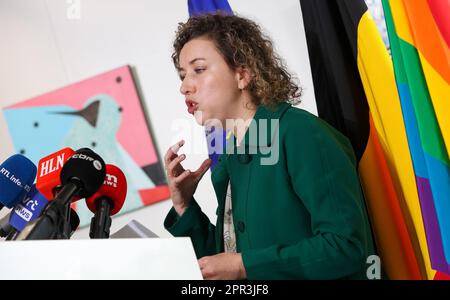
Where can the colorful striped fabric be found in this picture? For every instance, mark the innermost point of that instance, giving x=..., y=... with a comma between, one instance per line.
x=375, y=67
x=439, y=9
x=199, y=7
x=422, y=67
x=441, y=276
x=352, y=72
x=426, y=36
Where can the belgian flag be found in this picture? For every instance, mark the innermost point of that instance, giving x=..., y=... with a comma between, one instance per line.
x=356, y=92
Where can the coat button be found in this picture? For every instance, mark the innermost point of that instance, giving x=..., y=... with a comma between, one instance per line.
x=241, y=226
x=244, y=158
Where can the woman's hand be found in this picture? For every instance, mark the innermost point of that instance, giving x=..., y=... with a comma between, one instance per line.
x=182, y=183
x=228, y=266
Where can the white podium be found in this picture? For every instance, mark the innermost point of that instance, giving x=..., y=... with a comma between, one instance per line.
x=150, y=258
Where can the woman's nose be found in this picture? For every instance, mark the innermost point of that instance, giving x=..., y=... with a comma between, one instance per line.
x=187, y=86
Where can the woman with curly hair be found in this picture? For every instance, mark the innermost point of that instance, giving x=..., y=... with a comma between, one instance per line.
x=298, y=214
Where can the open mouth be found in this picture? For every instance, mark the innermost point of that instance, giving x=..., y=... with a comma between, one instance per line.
x=192, y=106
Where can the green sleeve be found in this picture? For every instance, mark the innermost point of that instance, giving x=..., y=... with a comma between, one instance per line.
x=194, y=224
x=321, y=165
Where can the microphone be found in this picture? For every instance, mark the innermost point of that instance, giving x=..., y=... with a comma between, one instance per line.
x=49, y=170
x=27, y=210
x=17, y=174
x=107, y=201
x=81, y=176
x=48, y=182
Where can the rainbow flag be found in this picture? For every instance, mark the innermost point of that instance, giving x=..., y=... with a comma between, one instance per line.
x=418, y=34
x=356, y=92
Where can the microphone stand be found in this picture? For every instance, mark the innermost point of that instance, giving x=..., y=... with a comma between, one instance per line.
x=49, y=224
x=101, y=222
x=12, y=235
x=64, y=227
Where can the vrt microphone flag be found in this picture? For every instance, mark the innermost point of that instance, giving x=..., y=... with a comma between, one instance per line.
x=213, y=136
x=28, y=209
x=355, y=91
x=418, y=33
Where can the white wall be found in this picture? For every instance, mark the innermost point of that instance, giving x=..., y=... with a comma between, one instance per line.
x=42, y=48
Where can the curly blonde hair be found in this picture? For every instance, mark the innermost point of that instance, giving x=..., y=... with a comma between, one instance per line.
x=242, y=43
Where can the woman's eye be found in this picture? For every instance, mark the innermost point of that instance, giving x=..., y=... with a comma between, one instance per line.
x=199, y=70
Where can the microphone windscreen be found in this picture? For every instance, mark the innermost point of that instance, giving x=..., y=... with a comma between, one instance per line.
x=88, y=168
x=49, y=171
x=114, y=188
x=28, y=210
x=17, y=175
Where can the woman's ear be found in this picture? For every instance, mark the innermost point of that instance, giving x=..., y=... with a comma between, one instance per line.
x=243, y=77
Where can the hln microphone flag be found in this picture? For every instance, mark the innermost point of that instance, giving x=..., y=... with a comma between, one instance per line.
x=199, y=7
x=421, y=58
x=356, y=92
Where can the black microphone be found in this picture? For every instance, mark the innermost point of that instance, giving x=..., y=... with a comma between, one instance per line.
x=81, y=176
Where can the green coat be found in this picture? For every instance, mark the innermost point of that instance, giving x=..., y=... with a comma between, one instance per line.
x=300, y=218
